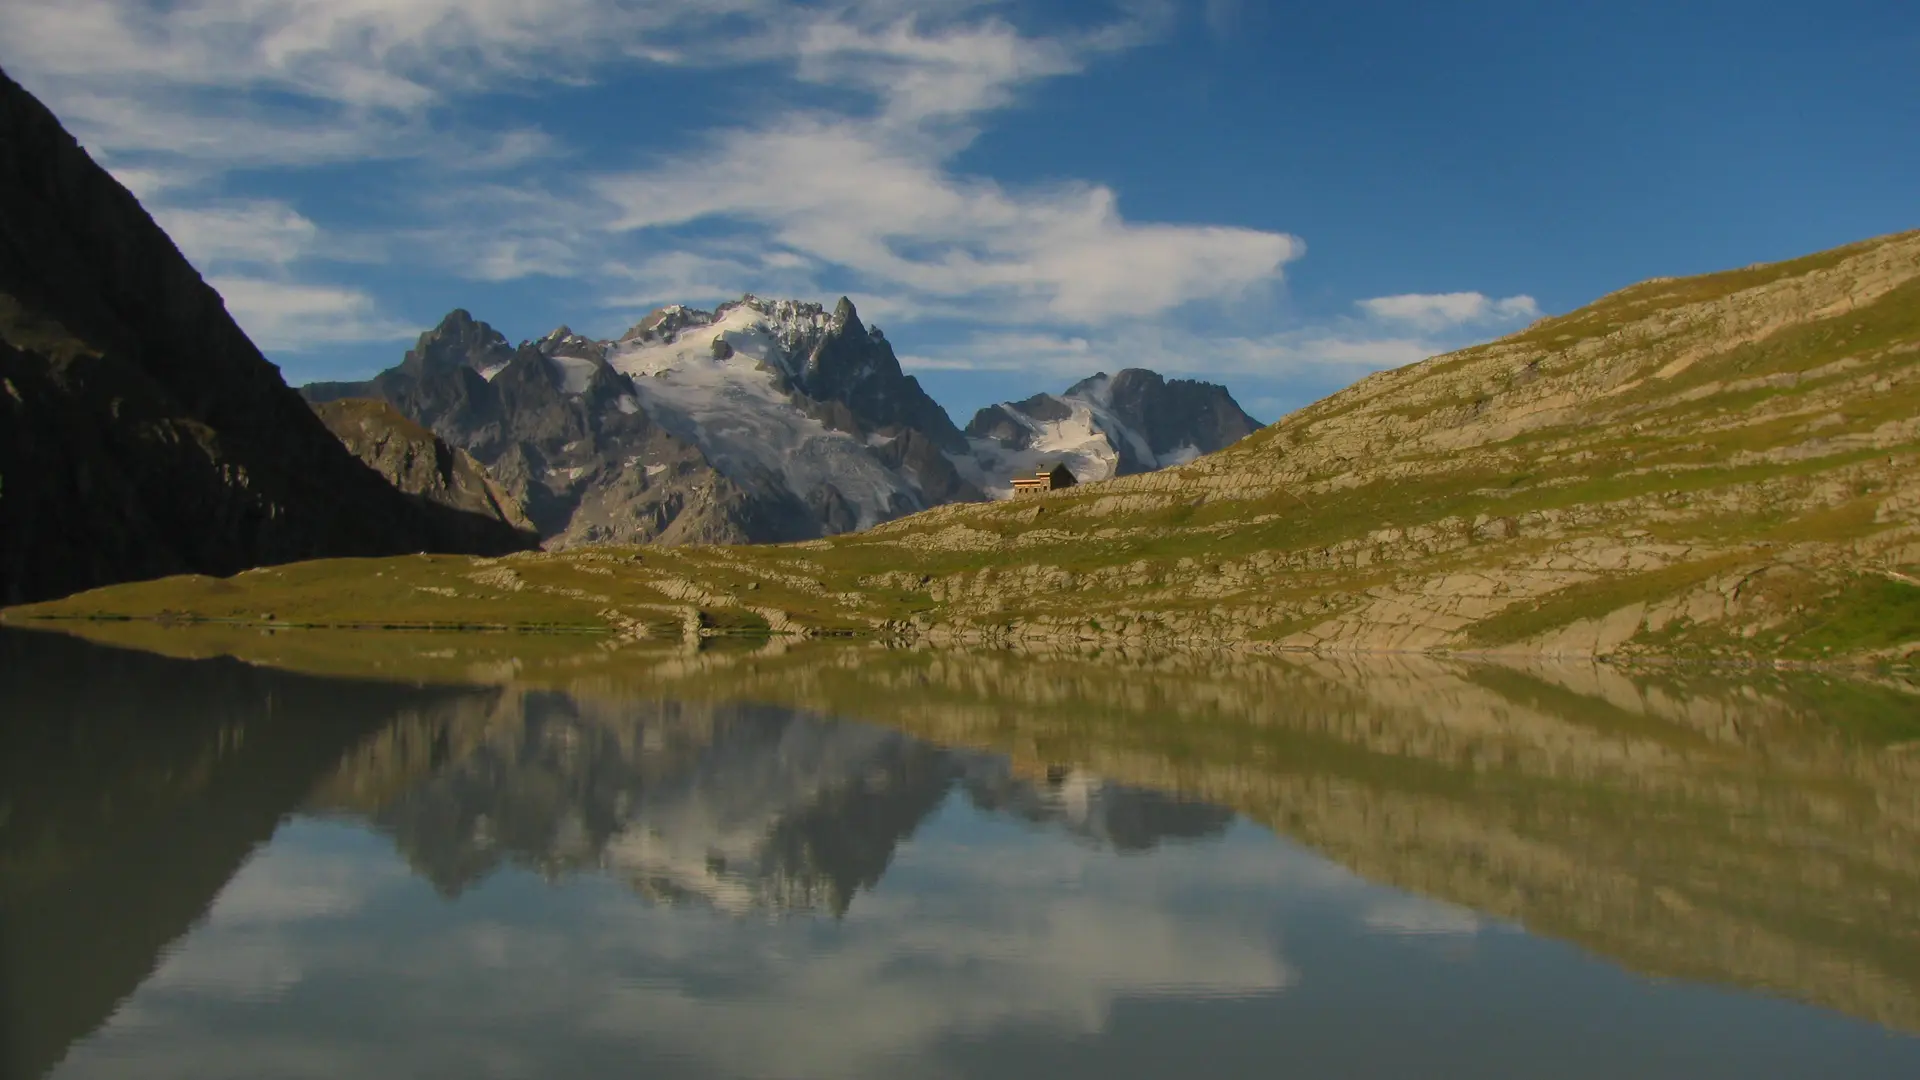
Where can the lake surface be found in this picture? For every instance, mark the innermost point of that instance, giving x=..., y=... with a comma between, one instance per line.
x=498, y=859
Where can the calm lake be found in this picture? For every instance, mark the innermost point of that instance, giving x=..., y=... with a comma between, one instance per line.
x=426, y=856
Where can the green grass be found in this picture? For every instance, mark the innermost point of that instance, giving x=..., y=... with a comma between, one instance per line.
x=1868, y=612
x=1596, y=599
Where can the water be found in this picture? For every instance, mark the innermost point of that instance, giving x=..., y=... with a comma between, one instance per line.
x=856, y=862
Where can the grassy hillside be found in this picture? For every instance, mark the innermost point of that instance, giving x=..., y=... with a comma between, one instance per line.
x=1721, y=466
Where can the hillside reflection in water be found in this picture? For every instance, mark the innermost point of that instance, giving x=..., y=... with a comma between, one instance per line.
x=1004, y=866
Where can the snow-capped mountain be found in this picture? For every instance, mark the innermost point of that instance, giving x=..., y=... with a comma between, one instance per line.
x=761, y=420
x=758, y=421
x=1101, y=427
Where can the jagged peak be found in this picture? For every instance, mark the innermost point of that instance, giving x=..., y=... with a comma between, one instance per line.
x=776, y=307
x=664, y=323
x=844, y=316
x=460, y=323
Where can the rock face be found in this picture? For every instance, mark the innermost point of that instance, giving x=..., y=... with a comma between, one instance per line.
x=1105, y=426
x=141, y=433
x=421, y=464
x=759, y=421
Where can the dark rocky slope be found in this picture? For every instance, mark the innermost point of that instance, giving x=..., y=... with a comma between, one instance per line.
x=421, y=464
x=141, y=433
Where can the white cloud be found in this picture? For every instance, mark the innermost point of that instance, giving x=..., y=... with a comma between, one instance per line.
x=719, y=273
x=1209, y=356
x=927, y=76
x=289, y=316
x=148, y=183
x=296, y=82
x=255, y=231
x=1439, y=311
x=1046, y=937
x=864, y=198
x=851, y=195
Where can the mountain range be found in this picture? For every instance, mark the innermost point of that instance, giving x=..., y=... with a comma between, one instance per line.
x=761, y=420
x=1718, y=467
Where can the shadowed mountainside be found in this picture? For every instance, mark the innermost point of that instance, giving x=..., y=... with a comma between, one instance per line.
x=141, y=433
x=132, y=787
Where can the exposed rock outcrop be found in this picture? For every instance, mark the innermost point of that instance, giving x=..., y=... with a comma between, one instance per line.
x=421, y=464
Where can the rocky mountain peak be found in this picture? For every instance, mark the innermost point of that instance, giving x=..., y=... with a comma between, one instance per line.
x=562, y=341
x=458, y=341
x=845, y=317
x=666, y=323
x=1175, y=413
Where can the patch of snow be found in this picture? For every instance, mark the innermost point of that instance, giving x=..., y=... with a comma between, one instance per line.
x=734, y=410
x=627, y=403
x=575, y=372
x=491, y=370
x=653, y=470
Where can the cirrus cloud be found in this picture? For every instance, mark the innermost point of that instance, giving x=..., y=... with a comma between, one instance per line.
x=293, y=315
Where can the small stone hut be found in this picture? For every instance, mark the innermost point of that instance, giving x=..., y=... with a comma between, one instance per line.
x=1044, y=480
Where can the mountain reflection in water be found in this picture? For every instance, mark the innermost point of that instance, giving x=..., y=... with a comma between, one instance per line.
x=739, y=807
x=678, y=864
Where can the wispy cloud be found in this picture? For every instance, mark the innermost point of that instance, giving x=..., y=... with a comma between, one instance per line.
x=849, y=180
x=252, y=231
x=281, y=315
x=1440, y=311
x=853, y=197
x=1276, y=355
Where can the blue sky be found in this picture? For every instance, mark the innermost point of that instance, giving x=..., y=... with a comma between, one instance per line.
x=1280, y=197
